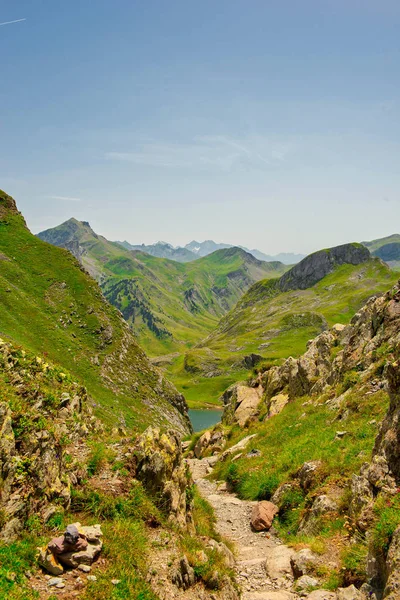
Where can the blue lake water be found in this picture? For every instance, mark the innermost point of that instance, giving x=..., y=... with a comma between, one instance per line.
x=203, y=419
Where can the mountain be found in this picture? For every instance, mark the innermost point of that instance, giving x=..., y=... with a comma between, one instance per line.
x=163, y=250
x=387, y=249
x=376, y=244
x=207, y=247
x=167, y=303
x=275, y=318
x=49, y=305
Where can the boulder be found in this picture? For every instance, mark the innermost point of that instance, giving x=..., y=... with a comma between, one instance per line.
x=202, y=443
x=184, y=576
x=278, y=562
x=307, y=474
x=241, y=403
x=349, y=593
x=262, y=515
x=303, y=562
x=311, y=523
x=277, y=404
x=49, y=562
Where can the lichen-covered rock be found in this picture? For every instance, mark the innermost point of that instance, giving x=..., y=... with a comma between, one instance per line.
x=311, y=523
x=36, y=431
x=241, y=403
x=308, y=473
x=164, y=473
x=303, y=562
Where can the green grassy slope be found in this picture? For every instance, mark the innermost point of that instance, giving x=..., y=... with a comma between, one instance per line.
x=169, y=304
x=49, y=305
x=376, y=244
x=277, y=324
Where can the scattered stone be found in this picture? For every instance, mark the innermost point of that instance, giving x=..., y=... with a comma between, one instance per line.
x=115, y=581
x=262, y=515
x=53, y=581
x=84, y=568
x=340, y=434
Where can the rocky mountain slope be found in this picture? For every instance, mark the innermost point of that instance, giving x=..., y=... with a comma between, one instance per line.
x=167, y=303
x=275, y=318
x=323, y=445
x=278, y=315
x=50, y=306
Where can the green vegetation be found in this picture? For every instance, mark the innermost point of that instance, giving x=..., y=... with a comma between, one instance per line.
x=51, y=307
x=278, y=325
x=302, y=432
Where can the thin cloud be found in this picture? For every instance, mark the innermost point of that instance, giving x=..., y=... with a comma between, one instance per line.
x=212, y=151
x=65, y=198
x=11, y=22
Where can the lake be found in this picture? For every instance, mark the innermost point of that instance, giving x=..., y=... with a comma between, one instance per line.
x=203, y=419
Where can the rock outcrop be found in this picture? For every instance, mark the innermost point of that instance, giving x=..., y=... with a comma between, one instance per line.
x=37, y=427
x=339, y=352
x=241, y=403
x=162, y=470
x=316, y=266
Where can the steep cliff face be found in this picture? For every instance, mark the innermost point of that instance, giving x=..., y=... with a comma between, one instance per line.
x=316, y=266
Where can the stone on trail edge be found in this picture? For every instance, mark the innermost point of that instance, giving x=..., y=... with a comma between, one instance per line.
x=263, y=565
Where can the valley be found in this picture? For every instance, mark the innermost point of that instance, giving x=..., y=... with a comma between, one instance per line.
x=303, y=361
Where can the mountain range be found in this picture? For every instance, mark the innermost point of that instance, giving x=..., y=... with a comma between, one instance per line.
x=207, y=321
x=168, y=304
x=194, y=250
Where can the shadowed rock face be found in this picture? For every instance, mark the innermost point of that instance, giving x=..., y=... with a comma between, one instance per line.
x=316, y=266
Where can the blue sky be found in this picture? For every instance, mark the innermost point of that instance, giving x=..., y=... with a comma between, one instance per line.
x=271, y=124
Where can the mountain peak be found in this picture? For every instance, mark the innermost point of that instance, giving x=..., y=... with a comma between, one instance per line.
x=319, y=264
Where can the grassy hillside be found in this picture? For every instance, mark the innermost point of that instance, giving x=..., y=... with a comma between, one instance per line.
x=376, y=244
x=169, y=304
x=277, y=324
x=49, y=305
x=274, y=325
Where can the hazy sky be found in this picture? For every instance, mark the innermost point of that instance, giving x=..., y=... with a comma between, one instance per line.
x=268, y=123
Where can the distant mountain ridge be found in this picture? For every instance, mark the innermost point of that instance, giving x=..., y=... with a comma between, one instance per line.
x=194, y=250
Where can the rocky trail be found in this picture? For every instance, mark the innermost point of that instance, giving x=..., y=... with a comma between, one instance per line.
x=263, y=562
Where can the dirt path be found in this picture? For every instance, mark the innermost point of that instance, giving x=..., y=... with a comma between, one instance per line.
x=253, y=549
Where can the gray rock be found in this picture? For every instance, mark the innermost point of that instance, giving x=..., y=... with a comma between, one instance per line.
x=54, y=581
x=349, y=593
x=303, y=562
x=305, y=583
